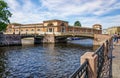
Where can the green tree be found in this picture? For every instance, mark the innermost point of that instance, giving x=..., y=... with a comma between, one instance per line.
x=4, y=15
x=77, y=23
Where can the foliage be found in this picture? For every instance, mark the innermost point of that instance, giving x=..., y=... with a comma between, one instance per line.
x=77, y=23
x=4, y=15
x=2, y=26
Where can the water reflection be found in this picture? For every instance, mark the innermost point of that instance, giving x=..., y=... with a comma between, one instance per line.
x=41, y=61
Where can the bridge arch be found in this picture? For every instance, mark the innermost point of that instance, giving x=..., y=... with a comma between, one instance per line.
x=29, y=40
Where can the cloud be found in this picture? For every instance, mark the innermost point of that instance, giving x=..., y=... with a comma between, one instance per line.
x=88, y=12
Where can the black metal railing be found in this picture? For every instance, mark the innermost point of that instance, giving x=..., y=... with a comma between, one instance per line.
x=110, y=49
x=82, y=71
x=104, y=62
x=100, y=61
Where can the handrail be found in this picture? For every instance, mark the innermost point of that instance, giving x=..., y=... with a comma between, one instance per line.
x=96, y=52
x=100, y=53
x=82, y=71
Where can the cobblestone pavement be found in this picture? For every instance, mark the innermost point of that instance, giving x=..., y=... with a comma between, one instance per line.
x=116, y=61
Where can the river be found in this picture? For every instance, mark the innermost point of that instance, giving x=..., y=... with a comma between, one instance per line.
x=42, y=61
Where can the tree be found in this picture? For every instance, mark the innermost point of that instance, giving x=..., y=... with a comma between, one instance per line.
x=77, y=23
x=4, y=15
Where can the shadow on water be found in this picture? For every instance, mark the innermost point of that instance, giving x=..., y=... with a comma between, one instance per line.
x=41, y=61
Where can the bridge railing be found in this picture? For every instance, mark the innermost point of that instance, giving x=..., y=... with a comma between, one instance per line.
x=99, y=63
x=76, y=34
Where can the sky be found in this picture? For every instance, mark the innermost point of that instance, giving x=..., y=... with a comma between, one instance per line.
x=88, y=12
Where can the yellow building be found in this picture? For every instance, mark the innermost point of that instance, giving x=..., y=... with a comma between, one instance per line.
x=50, y=26
x=113, y=30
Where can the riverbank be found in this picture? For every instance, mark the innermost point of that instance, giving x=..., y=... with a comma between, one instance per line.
x=9, y=39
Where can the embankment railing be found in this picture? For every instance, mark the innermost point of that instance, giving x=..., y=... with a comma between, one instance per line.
x=97, y=64
x=100, y=60
x=82, y=71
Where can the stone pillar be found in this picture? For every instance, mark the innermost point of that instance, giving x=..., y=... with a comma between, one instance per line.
x=49, y=38
x=106, y=48
x=92, y=60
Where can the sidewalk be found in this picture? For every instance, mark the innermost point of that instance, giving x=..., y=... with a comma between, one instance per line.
x=116, y=61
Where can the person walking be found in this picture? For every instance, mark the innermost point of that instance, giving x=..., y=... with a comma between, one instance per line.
x=115, y=37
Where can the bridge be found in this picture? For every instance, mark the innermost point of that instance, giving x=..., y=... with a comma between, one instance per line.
x=52, y=30
x=54, y=37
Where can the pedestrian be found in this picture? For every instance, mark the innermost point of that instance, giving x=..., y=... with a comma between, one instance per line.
x=115, y=37
x=118, y=36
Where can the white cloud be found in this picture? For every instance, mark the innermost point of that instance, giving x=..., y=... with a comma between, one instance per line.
x=29, y=12
x=13, y=4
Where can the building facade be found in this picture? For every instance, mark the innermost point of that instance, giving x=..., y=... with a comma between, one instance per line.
x=113, y=30
x=50, y=27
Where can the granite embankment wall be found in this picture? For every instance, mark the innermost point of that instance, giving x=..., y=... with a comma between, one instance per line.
x=10, y=39
x=99, y=39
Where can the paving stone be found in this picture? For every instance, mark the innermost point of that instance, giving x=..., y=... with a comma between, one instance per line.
x=116, y=61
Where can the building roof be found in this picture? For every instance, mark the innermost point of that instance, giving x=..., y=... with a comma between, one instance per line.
x=32, y=24
x=96, y=25
x=114, y=27
x=15, y=24
x=55, y=20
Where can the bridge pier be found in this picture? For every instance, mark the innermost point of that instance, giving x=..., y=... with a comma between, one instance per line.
x=49, y=38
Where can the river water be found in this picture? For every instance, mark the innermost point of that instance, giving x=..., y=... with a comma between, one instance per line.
x=42, y=61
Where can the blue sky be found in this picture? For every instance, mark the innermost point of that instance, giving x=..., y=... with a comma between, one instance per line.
x=88, y=12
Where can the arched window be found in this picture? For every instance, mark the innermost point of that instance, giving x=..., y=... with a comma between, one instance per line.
x=32, y=29
x=50, y=24
x=62, y=24
x=26, y=29
x=63, y=28
x=38, y=29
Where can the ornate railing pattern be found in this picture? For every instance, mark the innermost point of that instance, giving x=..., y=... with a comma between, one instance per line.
x=82, y=71
x=77, y=34
x=107, y=67
x=100, y=61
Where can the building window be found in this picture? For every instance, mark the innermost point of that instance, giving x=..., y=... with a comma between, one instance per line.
x=32, y=29
x=70, y=30
x=50, y=24
x=62, y=24
x=63, y=29
x=16, y=30
x=38, y=29
x=50, y=30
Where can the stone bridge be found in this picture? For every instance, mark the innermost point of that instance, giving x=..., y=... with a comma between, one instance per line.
x=54, y=37
x=62, y=37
